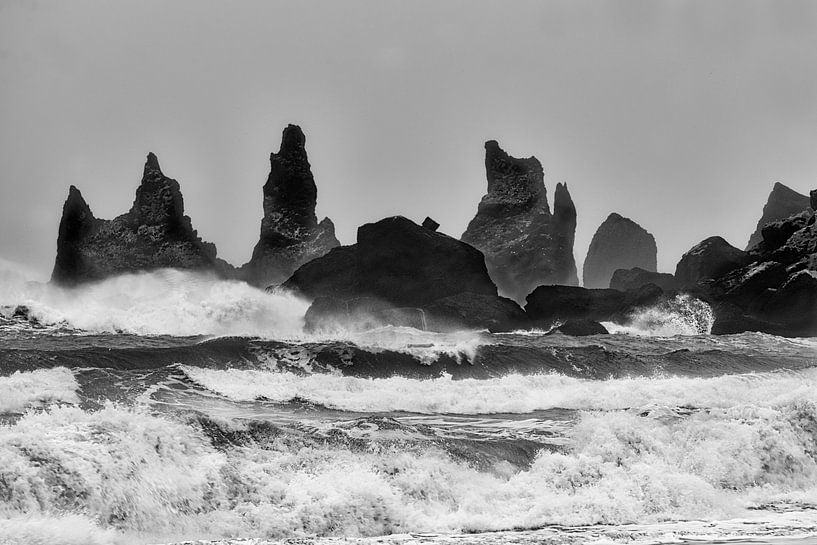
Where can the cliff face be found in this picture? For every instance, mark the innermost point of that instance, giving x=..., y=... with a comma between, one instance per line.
x=154, y=234
x=290, y=232
x=619, y=243
x=782, y=203
x=525, y=245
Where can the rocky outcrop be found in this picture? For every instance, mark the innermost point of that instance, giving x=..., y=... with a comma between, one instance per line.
x=632, y=279
x=290, y=232
x=619, y=243
x=397, y=271
x=782, y=203
x=154, y=234
x=710, y=258
x=525, y=245
x=580, y=328
x=547, y=305
x=777, y=291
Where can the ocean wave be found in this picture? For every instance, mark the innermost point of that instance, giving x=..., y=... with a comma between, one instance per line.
x=150, y=476
x=23, y=390
x=508, y=394
x=164, y=302
x=681, y=315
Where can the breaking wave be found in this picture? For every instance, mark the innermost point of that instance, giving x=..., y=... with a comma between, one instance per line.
x=682, y=315
x=23, y=390
x=164, y=302
x=148, y=476
x=508, y=394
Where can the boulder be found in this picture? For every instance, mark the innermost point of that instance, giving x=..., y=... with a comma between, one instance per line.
x=290, y=232
x=154, y=234
x=525, y=245
x=398, y=262
x=549, y=304
x=782, y=203
x=619, y=243
x=580, y=328
x=632, y=279
x=475, y=311
x=710, y=258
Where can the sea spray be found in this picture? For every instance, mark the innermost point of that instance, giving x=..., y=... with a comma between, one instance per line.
x=164, y=302
x=23, y=390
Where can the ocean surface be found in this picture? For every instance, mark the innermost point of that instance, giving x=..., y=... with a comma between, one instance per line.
x=169, y=407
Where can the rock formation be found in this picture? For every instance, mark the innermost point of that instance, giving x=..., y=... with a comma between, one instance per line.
x=776, y=291
x=154, y=234
x=398, y=265
x=580, y=328
x=632, y=279
x=709, y=258
x=290, y=232
x=547, y=305
x=525, y=245
x=782, y=203
x=619, y=243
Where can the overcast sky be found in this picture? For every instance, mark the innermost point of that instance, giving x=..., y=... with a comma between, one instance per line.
x=679, y=115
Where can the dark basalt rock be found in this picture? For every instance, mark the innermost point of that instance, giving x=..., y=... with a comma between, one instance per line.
x=525, y=245
x=290, y=232
x=782, y=203
x=397, y=261
x=813, y=199
x=475, y=311
x=549, y=304
x=619, y=243
x=710, y=258
x=154, y=234
x=580, y=328
x=777, y=292
x=632, y=279
x=430, y=224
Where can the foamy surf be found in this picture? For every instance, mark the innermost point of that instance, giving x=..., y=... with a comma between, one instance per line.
x=509, y=394
x=24, y=390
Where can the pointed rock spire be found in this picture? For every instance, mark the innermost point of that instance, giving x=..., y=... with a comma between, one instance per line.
x=782, y=203
x=619, y=243
x=290, y=232
x=77, y=222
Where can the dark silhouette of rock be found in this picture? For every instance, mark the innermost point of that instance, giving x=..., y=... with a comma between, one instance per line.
x=290, y=232
x=429, y=223
x=782, y=203
x=400, y=273
x=632, y=279
x=397, y=261
x=549, y=304
x=775, y=293
x=813, y=199
x=580, y=328
x=710, y=258
x=619, y=243
x=525, y=245
x=154, y=234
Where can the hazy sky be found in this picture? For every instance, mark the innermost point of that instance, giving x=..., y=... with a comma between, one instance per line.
x=679, y=115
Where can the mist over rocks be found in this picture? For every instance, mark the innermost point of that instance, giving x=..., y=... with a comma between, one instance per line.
x=630, y=279
x=782, y=203
x=397, y=265
x=525, y=245
x=619, y=243
x=155, y=233
x=290, y=232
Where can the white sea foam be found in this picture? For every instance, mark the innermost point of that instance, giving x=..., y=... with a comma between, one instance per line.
x=168, y=302
x=682, y=315
x=23, y=390
x=152, y=477
x=508, y=394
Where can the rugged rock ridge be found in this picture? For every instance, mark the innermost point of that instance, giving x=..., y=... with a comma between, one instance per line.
x=619, y=243
x=782, y=203
x=710, y=258
x=290, y=232
x=398, y=272
x=525, y=245
x=154, y=234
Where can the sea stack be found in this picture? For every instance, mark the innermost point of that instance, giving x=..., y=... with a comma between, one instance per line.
x=525, y=245
x=782, y=203
x=154, y=234
x=619, y=243
x=290, y=232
